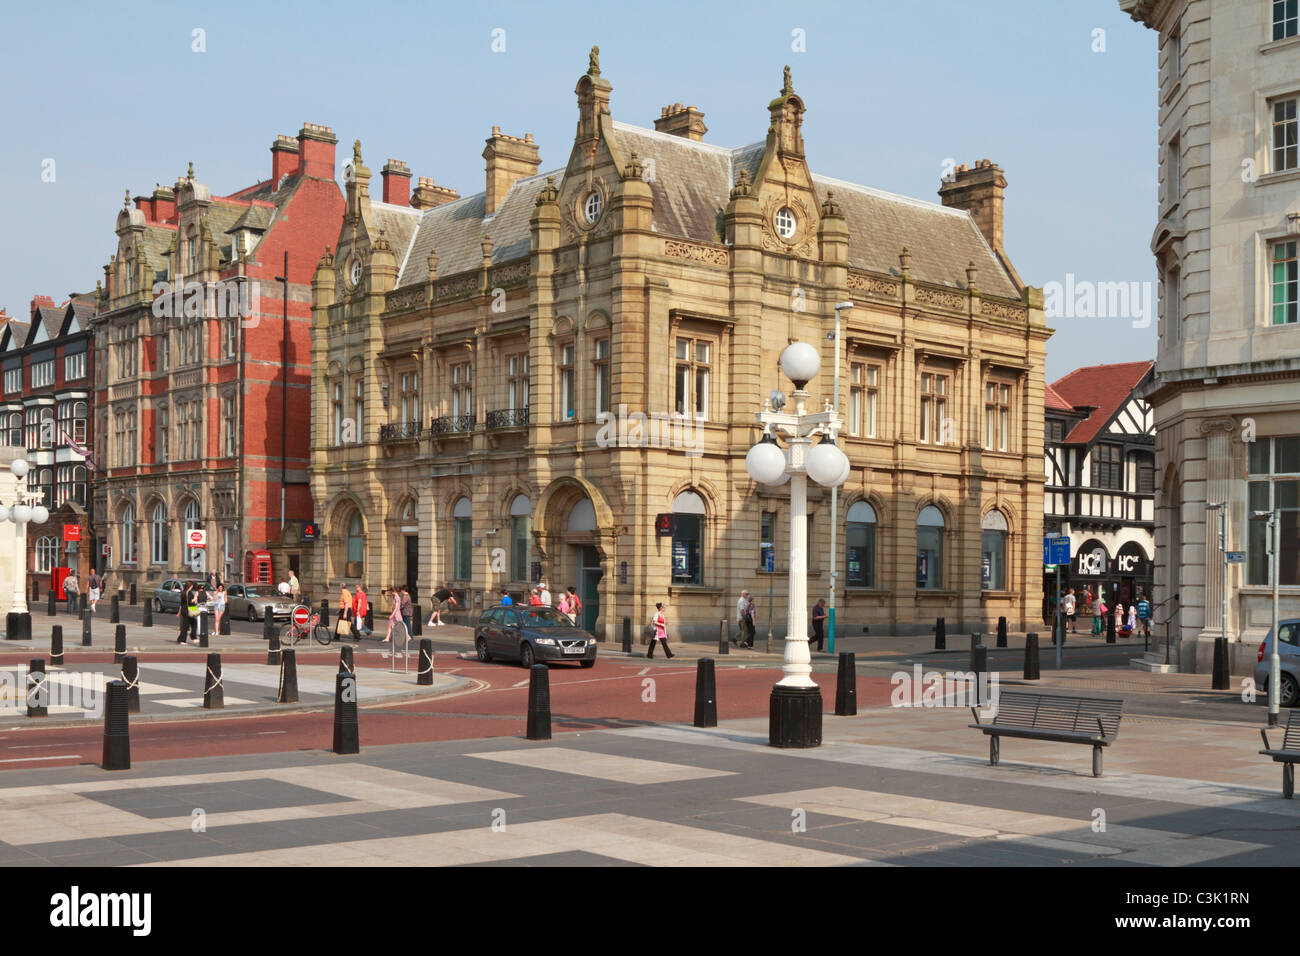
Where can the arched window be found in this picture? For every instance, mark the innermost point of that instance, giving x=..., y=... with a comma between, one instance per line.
x=929, y=548
x=582, y=517
x=79, y=484
x=193, y=556
x=688, y=539
x=47, y=554
x=158, y=534
x=463, y=515
x=521, y=511
x=127, y=543
x=15, y=429
x=993, y=552
x=356, y=553
x=860, y=546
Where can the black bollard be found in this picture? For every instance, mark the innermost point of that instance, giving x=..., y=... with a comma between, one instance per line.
x=273, y=650
x=425, y=674
x=627, y=635
x=85, y=628
x=36, y=590
x=131, y=678
x=223, y=629
x=52, y=608
x=56, y=646
x=724, y=645
x=117, y=728
x=18, y=626
x=1221, y=679
x=370, y=617
x=979, y=664
x=1031, y=656
x=119, y=643
x=115, y=610
x=706, y=693
x=1002, y=632
x=346, y=738
x=346, y=662
x=417, y=621
x=288, y=693
x=132, y=601
x=539, y=703
x=1110, y=630
x=976, y=640
x=324, y=613
x=268, y=625
x=147, y=618
x=38, y=689
x=940, y=635
x=204, y=623
x=214, y=697
x=846, y=686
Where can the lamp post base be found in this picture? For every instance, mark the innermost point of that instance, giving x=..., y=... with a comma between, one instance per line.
x=795, y=717
x=18, y=626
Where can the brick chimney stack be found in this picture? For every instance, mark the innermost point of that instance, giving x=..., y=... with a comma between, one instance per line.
x=316, y=149
x=509, y=159
x=38, y=301
x=284, y=157
x=397, y=183
x=427, y=195
x=979, y=191
x=684, y=121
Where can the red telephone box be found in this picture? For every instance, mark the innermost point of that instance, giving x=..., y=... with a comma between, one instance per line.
x=56, y=582
x=257, y=567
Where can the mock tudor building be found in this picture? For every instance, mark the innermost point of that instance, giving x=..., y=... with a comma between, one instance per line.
x=1226, y=391
x=199, y=356
x=48, y=365
x=520, y=383
x=1099, y=459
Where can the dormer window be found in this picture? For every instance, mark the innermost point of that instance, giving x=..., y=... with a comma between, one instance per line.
x=785, y=223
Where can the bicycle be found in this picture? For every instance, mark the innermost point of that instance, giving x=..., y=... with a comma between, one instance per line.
x=291, y=633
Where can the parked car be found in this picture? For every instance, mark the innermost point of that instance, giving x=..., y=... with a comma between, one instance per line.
x=531, y=635
x=167, y=596
x=1289, y=653
x=243, y=601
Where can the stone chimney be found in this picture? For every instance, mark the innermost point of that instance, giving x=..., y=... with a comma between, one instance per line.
x=684, y=121
x=38, y=301
x=427, y=195
x=284, y=157
x=509, y=159
x=316, y=149
x=979, y=191
x=397, y=183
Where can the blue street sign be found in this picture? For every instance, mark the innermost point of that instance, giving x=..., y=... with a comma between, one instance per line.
x=1236, y=557
x=1056, y=549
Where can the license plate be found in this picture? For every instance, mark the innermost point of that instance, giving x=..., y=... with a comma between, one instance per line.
x=576, y=649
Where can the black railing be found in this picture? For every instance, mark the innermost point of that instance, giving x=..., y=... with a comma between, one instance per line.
x=507, y=417
x=400, y=431
x=451, y=424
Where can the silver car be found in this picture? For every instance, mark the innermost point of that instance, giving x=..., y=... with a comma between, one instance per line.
x=1289, y=654
x=245, y=601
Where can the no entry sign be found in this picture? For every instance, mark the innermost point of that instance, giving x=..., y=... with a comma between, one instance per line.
x=300, y=616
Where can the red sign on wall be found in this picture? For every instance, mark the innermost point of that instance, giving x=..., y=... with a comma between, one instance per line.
x=72, y=532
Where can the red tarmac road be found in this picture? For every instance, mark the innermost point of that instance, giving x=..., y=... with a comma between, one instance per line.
x=615, y=693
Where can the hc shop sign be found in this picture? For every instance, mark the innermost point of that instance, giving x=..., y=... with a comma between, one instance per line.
x=196, y=538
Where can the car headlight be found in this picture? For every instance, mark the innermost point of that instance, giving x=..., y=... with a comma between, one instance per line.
x=546, y=640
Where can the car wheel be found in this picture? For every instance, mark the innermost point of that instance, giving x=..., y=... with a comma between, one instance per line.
x=157, y=606
x=1288, y=690
x=526, y=656
x=590, y=663
x=252, y=614
x=480, y=646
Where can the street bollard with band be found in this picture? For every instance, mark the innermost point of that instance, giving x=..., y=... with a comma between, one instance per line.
x=119, y=643
x=425, y=674
x=288, y=692
x=131, y=678
x=273, y=650
x=539, y=703
x=214, y=697
x=346, y=662
x=56, y=646
x=38, y=689
x=117, y=728
x=346, y=738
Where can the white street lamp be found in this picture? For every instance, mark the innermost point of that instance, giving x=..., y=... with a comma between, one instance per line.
x=18, y=622
x=796, y=703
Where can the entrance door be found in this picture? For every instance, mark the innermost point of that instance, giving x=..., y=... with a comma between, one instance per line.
x=413, y=566
x=589, y=575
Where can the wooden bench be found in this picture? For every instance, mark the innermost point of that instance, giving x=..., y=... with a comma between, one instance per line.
x=1288, y=754
x=1071, y=720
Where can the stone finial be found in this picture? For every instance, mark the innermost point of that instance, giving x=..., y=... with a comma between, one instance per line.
x=356, y=152
x=189, y=173
x=830, y=207
x=126, y=202
x=742, y=187
x=381, y=243
x=905, y=260
x=548, y=193
x=593, y=62
x=433, y=264
x=633, y=169
x=787, y=87
x=327, y=260
x=486, y=245
x=970, y=275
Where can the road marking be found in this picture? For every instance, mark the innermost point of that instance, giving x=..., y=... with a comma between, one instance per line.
x=603, y=766
x=522, y=682
x=56, y=757
x=643, y=671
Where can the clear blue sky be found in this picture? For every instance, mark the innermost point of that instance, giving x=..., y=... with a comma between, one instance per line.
x=117, y=97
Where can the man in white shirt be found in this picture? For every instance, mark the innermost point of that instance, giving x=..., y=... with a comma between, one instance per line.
x=1069, y=605
x=284, y=588
x=546, y=595
x=743, y=621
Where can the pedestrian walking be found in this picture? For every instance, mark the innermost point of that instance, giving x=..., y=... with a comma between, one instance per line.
x=819, y=623
x=575, y=605
x=506, y=599
x=742, y=619
x=1144, y=615
x=94, y=583
x=1119, y=616
x=283, y=589
x=443, y=599
x=563, y=605
x=660, y=623
x=407, y=608
x=535, y=597
x=188, y=612
x=395, y=614
x=1070, y=605
x=219, y=605
x=751, y=609
x=295, y=588
x=545, y=594
x=72, y=588
x=361, y=607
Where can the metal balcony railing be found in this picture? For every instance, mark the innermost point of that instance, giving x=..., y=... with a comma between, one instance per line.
x=400, y=431
x=507, y=417
x=452, y=424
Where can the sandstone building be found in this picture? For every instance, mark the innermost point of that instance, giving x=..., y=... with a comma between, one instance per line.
x=518, y=383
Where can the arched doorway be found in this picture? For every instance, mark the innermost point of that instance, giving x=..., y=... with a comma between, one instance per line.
x=574, y=534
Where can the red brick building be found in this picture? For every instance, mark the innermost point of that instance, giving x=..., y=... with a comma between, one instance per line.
x=45, y=396
x=197, y=359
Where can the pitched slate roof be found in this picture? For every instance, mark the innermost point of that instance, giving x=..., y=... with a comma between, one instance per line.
x=1103, y=388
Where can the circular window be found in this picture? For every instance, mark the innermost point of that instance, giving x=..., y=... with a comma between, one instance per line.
x=785, y=223
x=591, y=208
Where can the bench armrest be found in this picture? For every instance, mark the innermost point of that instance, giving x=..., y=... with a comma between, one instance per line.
x=975, y=713
x=1264, y=736
x=1101, y=728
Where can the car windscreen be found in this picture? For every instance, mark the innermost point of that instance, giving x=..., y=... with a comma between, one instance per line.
x=541, y=617
x=250, y=593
